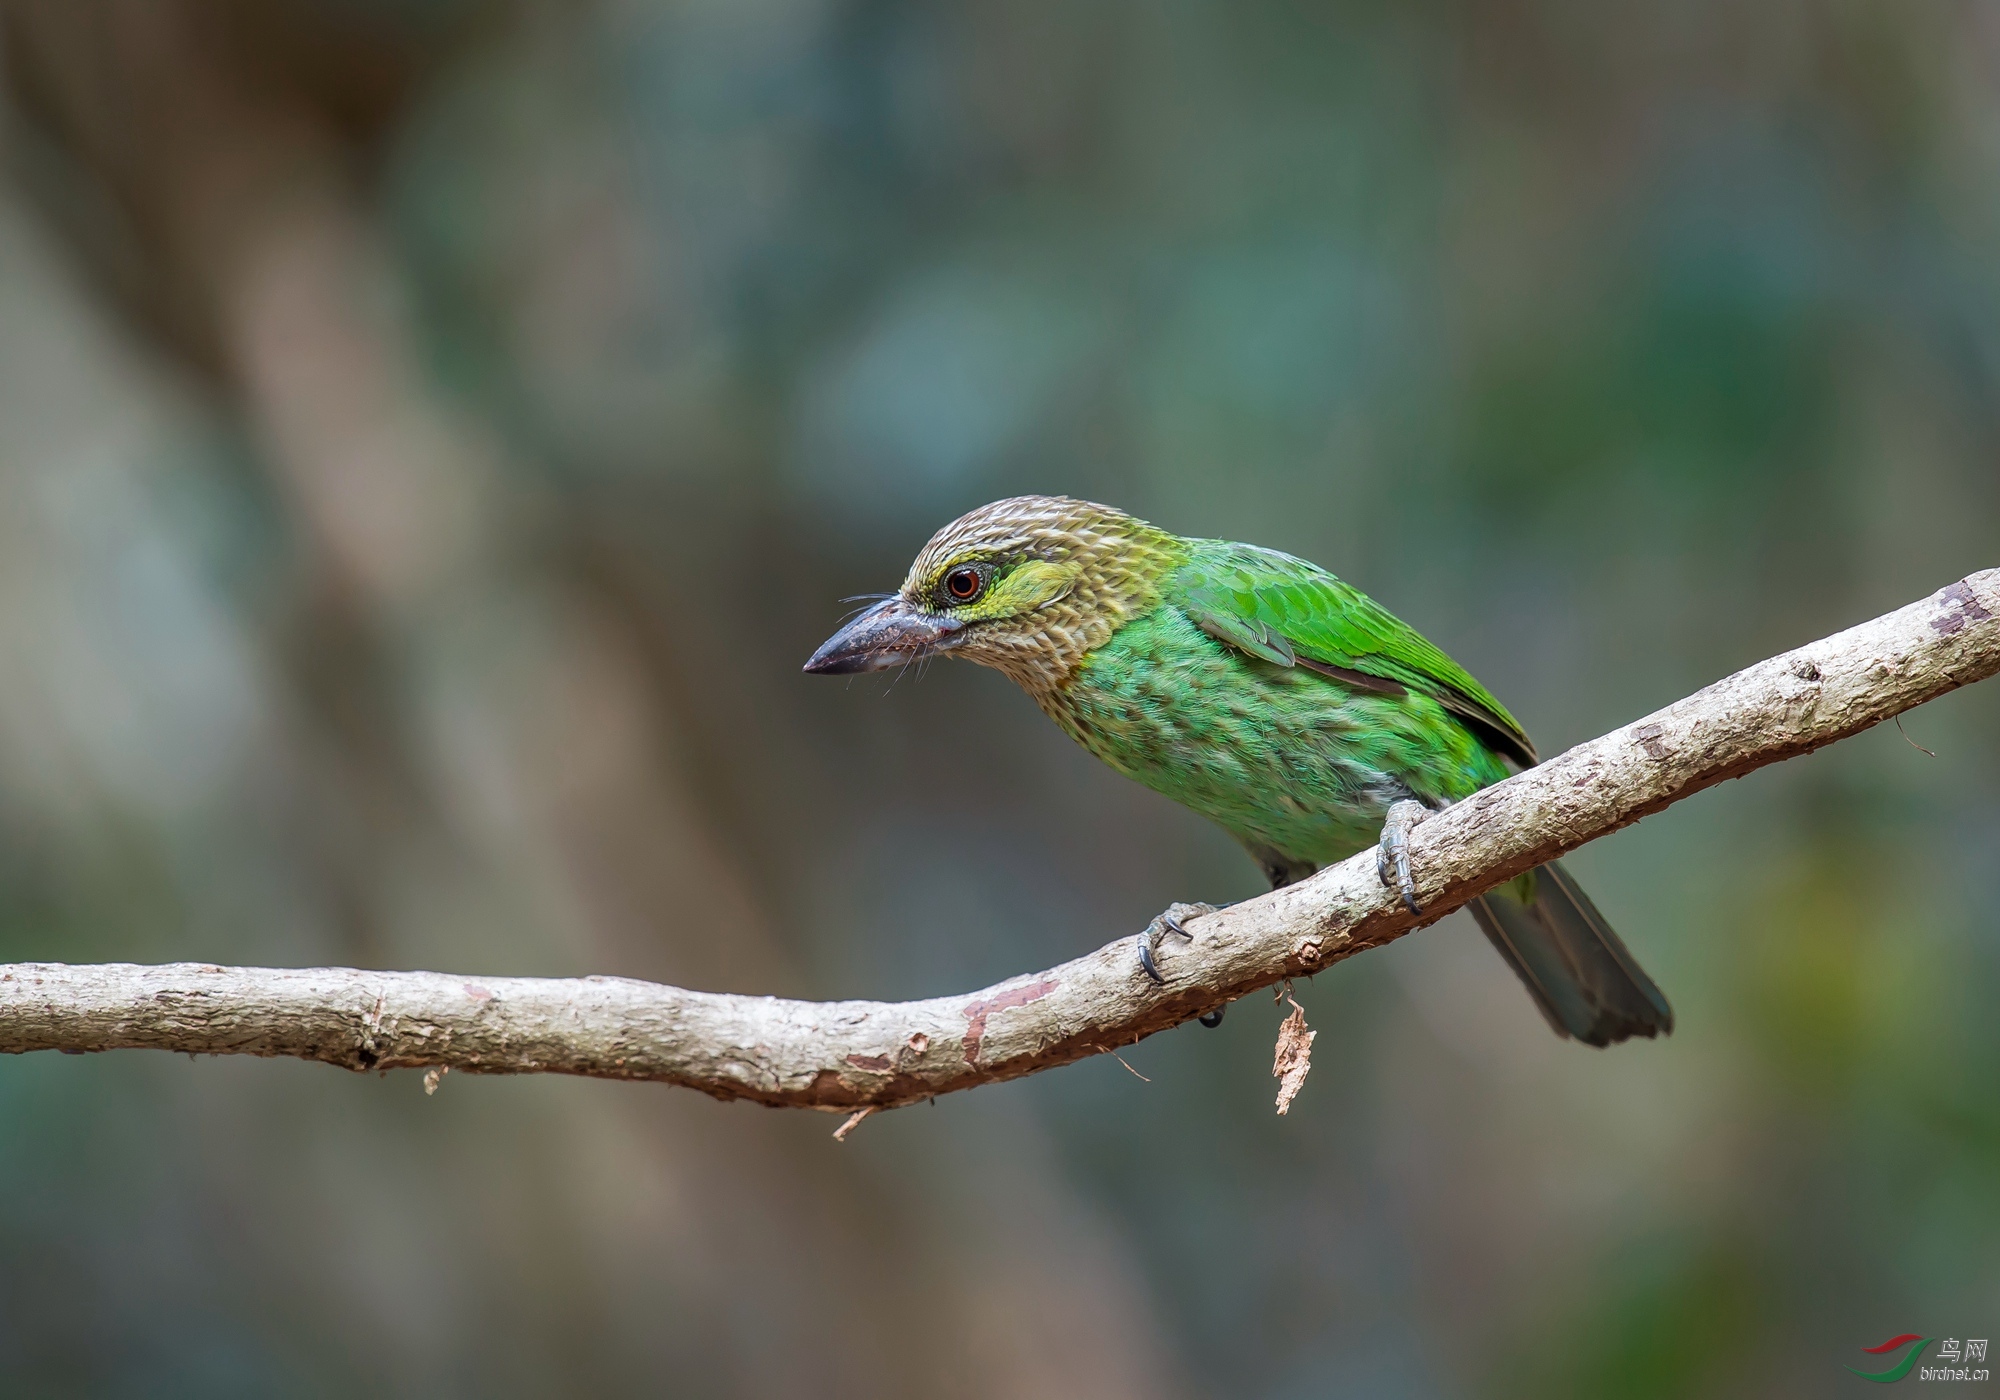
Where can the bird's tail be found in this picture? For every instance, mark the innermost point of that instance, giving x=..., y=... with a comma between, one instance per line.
x=1584, y=979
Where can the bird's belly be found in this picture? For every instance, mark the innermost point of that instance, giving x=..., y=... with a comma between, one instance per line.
x=1287, y=761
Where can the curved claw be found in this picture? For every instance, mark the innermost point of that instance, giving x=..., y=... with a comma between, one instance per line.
x=1169, y=921
x=1146, y=959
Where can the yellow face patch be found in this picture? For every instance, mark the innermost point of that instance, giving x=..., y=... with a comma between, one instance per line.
x=1022, y=589
x=1003, y=590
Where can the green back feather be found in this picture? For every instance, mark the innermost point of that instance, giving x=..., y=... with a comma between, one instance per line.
x=1290, y=612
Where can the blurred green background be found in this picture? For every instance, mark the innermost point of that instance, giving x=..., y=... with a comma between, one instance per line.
x=432, y=435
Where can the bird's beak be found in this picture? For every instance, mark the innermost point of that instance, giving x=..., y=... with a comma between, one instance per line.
x=892, y=633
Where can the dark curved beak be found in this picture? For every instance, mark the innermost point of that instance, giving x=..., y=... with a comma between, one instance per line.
x=892, y=633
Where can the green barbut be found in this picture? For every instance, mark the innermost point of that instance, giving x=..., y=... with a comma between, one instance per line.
x=1260, y=691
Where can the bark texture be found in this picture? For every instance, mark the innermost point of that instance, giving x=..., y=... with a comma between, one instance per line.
x=853, y=1055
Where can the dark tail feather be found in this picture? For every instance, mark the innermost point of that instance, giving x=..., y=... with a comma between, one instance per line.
x=1583, y=978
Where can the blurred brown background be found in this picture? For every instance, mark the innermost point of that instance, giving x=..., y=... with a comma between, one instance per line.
x=433, y=434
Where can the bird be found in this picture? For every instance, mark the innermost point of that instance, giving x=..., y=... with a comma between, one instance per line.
x=1261, y=691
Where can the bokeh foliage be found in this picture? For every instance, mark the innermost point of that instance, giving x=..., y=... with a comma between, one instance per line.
x=431, y=436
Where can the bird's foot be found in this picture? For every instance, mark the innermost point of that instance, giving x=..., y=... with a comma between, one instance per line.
x=1167, y=921
x=1170, y=920
x=1392, y=857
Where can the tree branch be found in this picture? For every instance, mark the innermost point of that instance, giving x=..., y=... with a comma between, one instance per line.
x=850, y=1055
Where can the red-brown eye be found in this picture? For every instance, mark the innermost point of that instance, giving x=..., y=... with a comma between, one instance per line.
x=964, y=584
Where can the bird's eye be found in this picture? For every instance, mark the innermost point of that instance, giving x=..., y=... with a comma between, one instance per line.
x=963, y=584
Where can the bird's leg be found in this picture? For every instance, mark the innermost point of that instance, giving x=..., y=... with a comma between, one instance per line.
x=1392, y=857
x=1170, y=921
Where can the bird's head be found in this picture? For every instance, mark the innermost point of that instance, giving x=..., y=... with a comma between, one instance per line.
x=1028, y=585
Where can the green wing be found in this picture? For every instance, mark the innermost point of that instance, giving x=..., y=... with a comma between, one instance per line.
x=1291, y=613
